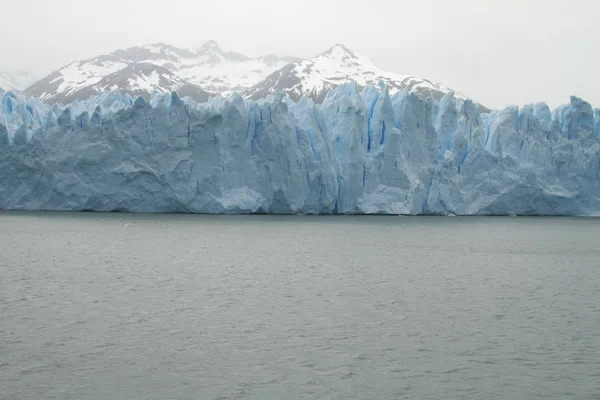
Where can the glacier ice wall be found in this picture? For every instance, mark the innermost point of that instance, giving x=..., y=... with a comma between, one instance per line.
x=359, y=152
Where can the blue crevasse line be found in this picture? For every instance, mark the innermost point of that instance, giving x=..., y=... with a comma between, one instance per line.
x=189, y=127
x=9, y=106
x=258, y=127
x=487, y=135
x=312, y=145
x=338, y=198
x=320, y=123
x=250, y=111
x=151, y=127
x=214, y=135
x=297, y=134
x=364, y=178
x=382, y=133
x=369, y=132
x=462, y=159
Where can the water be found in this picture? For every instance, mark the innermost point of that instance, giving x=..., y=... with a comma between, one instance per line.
x=121, y=306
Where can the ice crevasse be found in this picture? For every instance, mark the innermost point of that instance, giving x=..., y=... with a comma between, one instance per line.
x=360, y=152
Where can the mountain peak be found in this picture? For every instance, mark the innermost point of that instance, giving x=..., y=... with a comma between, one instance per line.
x=338, y=51
x=209, y=45
x=315, y=77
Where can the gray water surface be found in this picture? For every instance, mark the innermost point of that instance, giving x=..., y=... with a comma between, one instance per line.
x=122, y=306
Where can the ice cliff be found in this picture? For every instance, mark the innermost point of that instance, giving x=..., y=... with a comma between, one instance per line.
x=359, y=152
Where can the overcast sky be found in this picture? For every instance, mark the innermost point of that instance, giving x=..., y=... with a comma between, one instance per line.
x=499, y=52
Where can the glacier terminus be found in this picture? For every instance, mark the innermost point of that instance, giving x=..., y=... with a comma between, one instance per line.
x=362, y=151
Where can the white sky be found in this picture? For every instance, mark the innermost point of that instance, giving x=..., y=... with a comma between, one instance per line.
x=499, y=52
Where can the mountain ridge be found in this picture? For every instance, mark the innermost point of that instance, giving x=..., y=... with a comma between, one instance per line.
x=18, y=80
x=210, y=70
x=315, y=77
x=207, y=68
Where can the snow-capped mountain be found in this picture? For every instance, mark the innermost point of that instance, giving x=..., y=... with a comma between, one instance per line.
x=211, y=70
x=136, y=79
x=19, y=80
x=315, y=77
x=159, y=67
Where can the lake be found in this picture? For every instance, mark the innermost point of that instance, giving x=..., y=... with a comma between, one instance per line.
x=143, y=306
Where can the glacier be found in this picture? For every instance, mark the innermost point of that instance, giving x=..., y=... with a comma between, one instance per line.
x=362, y=151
